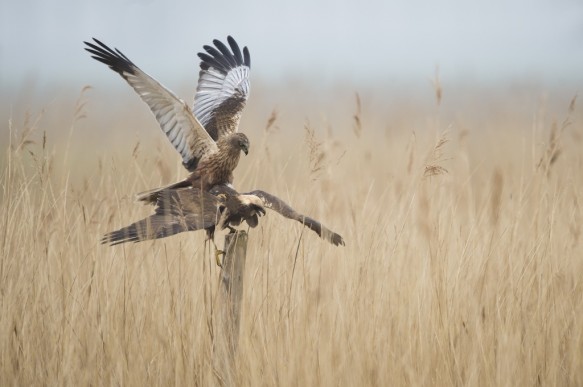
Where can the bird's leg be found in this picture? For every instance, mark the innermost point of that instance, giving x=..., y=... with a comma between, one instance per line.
x=218, y=253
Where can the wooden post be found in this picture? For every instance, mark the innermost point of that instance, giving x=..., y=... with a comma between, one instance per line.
x=230, y=295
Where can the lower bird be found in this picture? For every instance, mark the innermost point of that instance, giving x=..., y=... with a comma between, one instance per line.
x=190, y=209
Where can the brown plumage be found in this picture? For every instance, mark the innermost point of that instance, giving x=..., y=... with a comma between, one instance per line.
x=189, y=209
x=244, y=207
x=178, y=210
x=208, y=140
x=213, y=169
x=207, y=137
x=276, y=204
x=217, y=168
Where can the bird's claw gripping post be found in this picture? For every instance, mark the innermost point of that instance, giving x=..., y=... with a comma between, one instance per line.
x=218, y=253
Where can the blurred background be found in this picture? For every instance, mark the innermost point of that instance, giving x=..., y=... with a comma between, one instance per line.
x=442, y=139
x=309, y=58
x=360, y=43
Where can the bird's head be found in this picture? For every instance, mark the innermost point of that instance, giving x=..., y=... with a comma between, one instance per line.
x=240, y=141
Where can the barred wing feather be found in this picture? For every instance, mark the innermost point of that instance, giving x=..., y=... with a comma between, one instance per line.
x=176, y=119
x=223, y=87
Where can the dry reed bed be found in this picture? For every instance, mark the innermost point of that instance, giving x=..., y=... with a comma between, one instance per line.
x=463, y=262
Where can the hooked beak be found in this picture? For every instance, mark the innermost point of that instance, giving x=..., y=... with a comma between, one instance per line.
x=246, y=150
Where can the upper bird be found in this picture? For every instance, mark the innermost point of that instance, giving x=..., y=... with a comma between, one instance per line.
x=207, y=136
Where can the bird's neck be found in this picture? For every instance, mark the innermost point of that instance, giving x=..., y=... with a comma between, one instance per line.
x=227, y=154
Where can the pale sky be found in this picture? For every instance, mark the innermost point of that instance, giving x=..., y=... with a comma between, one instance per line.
x=323, y=41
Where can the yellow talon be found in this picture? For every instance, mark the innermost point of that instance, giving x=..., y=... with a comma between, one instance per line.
x=218, y=253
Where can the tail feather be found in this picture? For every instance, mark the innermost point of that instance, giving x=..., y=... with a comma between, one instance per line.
x=157, y=227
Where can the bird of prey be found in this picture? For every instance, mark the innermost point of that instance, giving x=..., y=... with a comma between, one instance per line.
x=189, y=209
x=208, y=140
x=207, y=136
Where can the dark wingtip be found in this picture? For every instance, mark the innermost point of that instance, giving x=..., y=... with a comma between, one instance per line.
x=222, y=58
x=115, y=60
x=337, y=240
x=209, y=61
x=227, y=55
x=247, y=57
x=236, y=50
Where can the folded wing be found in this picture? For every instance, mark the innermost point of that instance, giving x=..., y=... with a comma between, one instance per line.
x=176, y=119
x=185, y=209
x=223, y=87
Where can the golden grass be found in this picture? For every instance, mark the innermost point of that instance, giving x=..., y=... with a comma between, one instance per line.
x=463, y=262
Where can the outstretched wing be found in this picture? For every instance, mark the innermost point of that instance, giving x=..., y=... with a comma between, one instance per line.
x=223, y=87
x=175, y=117
x=185, y=209
x=276, y=204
